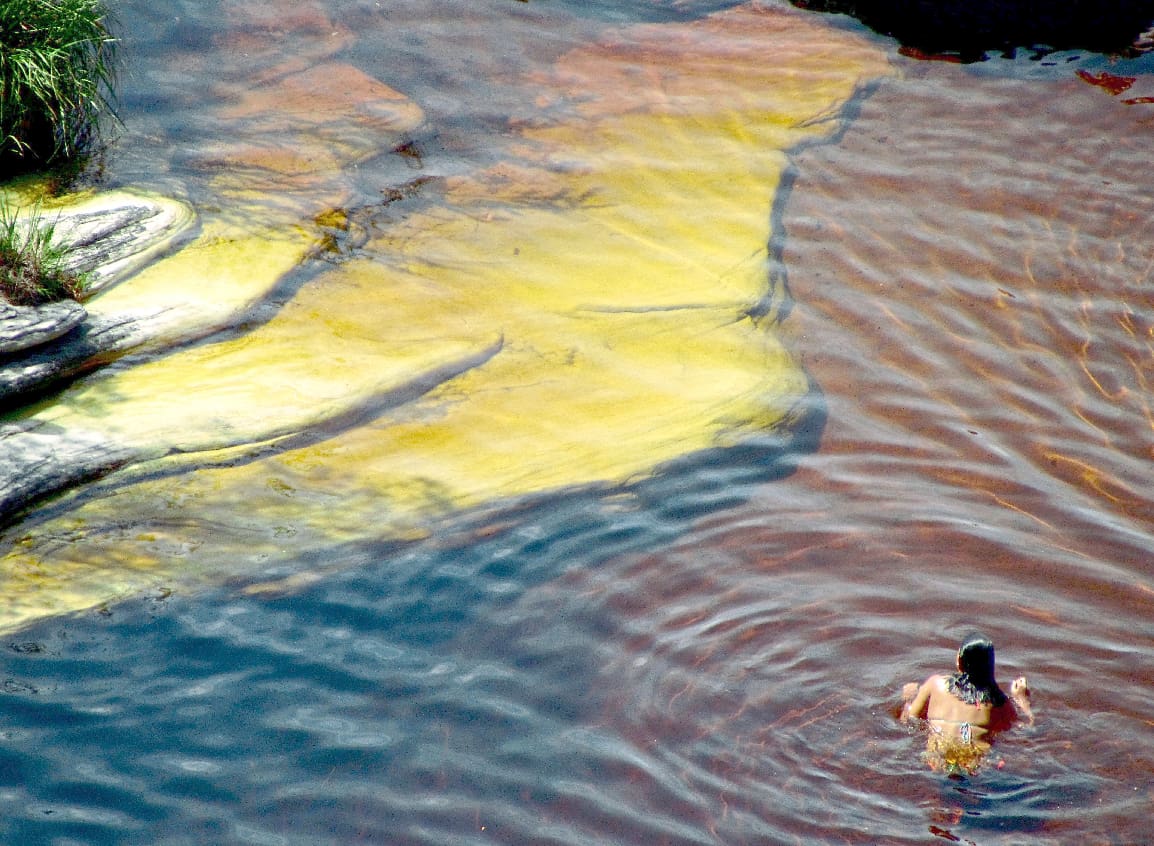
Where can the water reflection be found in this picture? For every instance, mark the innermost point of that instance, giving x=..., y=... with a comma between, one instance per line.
x=550, y=679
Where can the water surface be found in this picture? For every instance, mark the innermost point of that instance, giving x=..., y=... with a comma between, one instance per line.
x=708, y=654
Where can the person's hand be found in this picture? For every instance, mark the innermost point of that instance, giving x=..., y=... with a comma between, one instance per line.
x=909, y=691
x=1020, y=691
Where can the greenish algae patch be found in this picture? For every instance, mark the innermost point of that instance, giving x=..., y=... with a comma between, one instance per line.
x=582, y=315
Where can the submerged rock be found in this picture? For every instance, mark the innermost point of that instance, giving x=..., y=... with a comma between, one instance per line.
x=286, y=139
x=595, y=308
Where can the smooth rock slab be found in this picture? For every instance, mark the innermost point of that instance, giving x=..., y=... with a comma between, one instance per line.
x=610, y=316
x=25, y=327
x=112, y=236
x=37, y=459
x=94, y=342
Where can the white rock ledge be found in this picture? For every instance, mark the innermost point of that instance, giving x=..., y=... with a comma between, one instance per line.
x=112, y=236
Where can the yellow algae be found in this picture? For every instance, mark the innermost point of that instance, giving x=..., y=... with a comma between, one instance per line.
x=207, y=283
x=197, y=287
x=649, y=389
x=580, y=316
x=291, y=375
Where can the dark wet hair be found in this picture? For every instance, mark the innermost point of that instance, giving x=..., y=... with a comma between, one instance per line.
x=974, y=682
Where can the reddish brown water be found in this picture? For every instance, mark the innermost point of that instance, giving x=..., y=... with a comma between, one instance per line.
x=973, y=270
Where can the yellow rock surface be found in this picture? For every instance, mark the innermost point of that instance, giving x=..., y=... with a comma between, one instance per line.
x=581, y=315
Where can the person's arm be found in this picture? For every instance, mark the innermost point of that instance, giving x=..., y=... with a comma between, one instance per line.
x=917, y=705
x=1020, y=693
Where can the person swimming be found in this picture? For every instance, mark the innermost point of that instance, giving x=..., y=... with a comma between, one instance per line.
x=964, y=711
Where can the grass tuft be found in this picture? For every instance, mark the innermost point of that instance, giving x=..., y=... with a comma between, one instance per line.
x=33, y=265
x=56, y=74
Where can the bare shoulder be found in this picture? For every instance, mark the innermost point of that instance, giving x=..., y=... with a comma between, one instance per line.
x=936, y=682
x=917, y=698
x=933, y=684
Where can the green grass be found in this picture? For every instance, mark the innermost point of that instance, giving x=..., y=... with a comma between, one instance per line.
x=56, y=74
x=33, y=265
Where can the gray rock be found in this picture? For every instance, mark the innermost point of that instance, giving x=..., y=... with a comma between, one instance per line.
x=25, y=327
x=111, y=236
x=37, y=460
x=94, y=342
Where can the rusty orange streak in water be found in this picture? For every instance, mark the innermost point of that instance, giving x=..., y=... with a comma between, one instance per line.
x=1112, y=83
x=1013, y=359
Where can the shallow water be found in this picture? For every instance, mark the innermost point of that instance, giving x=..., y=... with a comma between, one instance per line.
x=707, y=655
x=477, y=334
